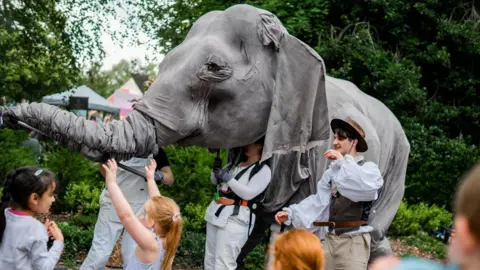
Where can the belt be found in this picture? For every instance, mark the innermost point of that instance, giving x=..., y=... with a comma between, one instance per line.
x=340, y=224
x=225, y=201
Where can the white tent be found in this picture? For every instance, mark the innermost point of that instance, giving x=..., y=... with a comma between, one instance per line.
x=132, y=87
x=95, y=101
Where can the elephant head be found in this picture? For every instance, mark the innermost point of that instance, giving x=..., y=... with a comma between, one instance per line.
x=236, y=77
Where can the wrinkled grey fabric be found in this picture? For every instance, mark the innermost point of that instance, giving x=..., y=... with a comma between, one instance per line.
x=134, y=136
x=299, y=111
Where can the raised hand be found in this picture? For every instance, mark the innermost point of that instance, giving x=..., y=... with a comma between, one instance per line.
x=281, y=217
x=223, y=175
x=333, y=155
x=150, y=170
x=54, y=231
x=110, y=168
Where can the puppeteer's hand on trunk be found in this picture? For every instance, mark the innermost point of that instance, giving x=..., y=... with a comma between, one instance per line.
x=223, y=175
x=8, y=119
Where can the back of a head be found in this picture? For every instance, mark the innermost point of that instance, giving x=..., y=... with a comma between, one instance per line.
x=467, y=202
x=298, y=250
x=166, y=213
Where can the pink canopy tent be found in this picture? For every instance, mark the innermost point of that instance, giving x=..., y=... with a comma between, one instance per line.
x=123, y=98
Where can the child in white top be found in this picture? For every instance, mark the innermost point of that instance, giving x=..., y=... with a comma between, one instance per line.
x=28, y=191
x=156, y=234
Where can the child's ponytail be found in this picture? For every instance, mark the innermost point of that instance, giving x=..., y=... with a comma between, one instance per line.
x=166, y=213
x=173, y=240
x=5, y=201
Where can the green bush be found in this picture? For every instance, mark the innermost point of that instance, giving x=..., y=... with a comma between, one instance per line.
x=85, y=195
x=193, y=215
x=192, y=248
x=70, y=168
x=84, y=221
x=436, y=164
x=13, y=154
x=191, y=167
x=76, y=240
x=256, y=258
x=409, y=220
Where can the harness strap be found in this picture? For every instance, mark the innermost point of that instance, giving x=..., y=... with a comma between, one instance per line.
x=250, y=204
x=219, y=210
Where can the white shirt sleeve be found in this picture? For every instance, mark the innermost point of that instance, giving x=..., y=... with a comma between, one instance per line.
x=356, y=182
x=255, y=186
x=43, y=259
x=312, y=208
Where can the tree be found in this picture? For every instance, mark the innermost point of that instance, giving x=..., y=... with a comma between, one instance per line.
x=106, y=82
x=35, y=52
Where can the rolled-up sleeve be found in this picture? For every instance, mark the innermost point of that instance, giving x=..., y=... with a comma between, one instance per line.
x=312, y=208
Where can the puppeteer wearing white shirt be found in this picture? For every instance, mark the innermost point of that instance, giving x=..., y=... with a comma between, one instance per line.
x=342, y=203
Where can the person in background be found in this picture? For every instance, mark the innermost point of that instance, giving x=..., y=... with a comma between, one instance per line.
x=108, y=227
x=157, y=232
x=297, y=249
x=28, y=191
x=464, y=246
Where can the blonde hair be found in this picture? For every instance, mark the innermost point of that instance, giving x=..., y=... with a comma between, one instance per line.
x=467, y=202
x=166, y=213
x=298, y=250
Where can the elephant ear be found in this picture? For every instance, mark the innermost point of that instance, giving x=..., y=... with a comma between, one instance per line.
x=298, y=118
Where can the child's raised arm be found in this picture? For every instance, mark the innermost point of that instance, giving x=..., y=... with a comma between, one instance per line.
x=150, y=175
x=142, y=236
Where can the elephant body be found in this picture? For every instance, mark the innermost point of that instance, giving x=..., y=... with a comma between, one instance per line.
x=236, y=77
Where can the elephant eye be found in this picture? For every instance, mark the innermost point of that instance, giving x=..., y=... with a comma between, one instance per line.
x=215, y=70
x=213, y=67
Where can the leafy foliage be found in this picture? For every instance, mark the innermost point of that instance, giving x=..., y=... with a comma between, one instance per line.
x=36, y=54
x=194, y=217
x=13, y=153
x=83, y=196
x=191, y=250
x=72, y=168
x=76, y=240
x=420, y=217
x=106, y=82
x=191, y=167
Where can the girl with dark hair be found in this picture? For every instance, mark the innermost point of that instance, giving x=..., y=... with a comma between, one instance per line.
x=28, y=191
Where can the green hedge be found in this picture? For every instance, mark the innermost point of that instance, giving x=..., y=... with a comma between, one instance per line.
x=411, y=219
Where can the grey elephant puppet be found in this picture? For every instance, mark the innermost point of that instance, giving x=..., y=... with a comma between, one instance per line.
x=236, y=77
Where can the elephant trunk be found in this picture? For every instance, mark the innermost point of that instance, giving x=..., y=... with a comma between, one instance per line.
x=134, y=136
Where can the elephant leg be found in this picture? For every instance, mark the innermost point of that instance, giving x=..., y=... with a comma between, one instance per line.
x=382, y=249
x=391, y=195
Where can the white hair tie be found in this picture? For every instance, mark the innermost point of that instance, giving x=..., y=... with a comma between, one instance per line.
x=176, y=216
x=38, y=172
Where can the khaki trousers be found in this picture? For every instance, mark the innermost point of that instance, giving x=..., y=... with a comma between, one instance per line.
x=347, y=252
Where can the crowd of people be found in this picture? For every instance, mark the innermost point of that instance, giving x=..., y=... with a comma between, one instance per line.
x=152, y=223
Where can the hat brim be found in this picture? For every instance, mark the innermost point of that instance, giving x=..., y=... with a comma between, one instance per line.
x=361, y=145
